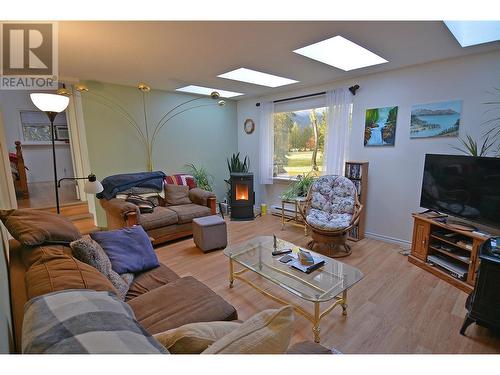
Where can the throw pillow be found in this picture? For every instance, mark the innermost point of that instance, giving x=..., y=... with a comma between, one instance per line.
x=34, y=227
x=181, y=179
x=128, y=249
x=90, y=252
x=176, y=195
x=268, y=332
x=193, y=338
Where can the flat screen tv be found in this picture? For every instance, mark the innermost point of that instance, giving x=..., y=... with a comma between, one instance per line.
x=466, y=187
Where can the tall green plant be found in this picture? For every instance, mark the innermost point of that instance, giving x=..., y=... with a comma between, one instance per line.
x=471, y=147
x=235, y=165
x=493, y=124
x=204, y=180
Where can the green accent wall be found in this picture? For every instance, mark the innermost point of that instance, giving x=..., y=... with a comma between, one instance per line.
x=205, y=136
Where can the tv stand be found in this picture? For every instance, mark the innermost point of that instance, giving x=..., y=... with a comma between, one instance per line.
x=451, y=248
x=460, y=225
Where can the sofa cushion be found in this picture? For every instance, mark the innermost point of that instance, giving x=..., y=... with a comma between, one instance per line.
x=180, y=302
x=268, y=332
x=84, y=322
x=32, y=254
x=149, y=280
x=90, y=252
x=193, y=338
x=176, y=195
x=187, y=212
x=129, y=249
x=34, y=227
x=56, y=271
x=160, y=217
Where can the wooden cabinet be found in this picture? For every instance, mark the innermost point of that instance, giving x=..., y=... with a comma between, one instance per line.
x=421, y=232
x=458, y=247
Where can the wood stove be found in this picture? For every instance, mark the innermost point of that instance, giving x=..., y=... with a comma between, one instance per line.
x=242, y=196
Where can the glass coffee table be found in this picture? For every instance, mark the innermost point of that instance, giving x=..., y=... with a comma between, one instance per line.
x=328, y=283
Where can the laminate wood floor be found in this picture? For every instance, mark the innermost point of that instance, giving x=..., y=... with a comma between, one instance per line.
x=42, y=194
x=396, y=308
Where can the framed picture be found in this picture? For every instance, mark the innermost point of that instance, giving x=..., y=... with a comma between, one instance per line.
x=380, y=126
x=431, y=120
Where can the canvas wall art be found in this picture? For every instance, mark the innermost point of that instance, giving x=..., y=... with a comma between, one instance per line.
x=435, y=119
x=380, y=126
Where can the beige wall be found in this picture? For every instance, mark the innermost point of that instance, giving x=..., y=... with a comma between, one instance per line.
x=395, y=173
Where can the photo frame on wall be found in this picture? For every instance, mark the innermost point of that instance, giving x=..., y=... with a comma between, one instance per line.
x=380, y=126
x=440, y=119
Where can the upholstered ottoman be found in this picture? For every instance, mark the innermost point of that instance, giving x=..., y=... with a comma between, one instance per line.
x=209, y=233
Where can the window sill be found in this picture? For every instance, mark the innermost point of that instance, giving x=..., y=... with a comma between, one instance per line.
x=284, y=180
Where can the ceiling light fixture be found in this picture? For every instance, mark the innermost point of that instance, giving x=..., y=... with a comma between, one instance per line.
x=208, y=91
x=341, y=53
x=471, y=33
x=257, y=78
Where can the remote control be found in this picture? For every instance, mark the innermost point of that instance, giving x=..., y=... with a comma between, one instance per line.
x=281, y=252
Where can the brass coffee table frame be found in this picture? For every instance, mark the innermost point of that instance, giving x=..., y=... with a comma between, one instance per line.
x=315, y=318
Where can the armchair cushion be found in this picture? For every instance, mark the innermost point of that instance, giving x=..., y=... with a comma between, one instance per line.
x=333, y=195
x=324, y=220
x=200, y=196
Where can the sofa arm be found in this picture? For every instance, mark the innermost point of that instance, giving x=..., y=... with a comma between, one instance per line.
x=203, y=198
x=120, y=213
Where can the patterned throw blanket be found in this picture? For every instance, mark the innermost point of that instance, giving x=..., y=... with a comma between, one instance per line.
x=84, y=322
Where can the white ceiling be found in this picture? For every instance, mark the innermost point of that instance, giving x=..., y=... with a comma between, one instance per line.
x=168, y=55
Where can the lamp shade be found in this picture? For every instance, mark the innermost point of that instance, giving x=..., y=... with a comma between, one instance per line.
x=92, y=187
x=49, y=102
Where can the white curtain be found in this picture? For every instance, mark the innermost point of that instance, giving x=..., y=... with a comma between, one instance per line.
x=338, y=103
x=266, y=143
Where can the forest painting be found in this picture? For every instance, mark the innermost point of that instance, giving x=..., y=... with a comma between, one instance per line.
x=380, y=126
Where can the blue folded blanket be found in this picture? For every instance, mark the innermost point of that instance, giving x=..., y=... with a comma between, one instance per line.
x=120, y=182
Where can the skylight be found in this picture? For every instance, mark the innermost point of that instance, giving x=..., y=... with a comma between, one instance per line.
x=341, y=53
x=257, y=78
x=207, y=91
x=471, y=33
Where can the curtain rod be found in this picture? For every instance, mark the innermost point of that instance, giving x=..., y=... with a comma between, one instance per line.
x=352, y=89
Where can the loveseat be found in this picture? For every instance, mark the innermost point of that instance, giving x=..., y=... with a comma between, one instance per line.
x=171, y=217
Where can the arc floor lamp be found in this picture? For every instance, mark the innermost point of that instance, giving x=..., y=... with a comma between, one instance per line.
x=52, y=105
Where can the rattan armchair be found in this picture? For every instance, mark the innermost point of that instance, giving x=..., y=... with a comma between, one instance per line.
x=331, y=209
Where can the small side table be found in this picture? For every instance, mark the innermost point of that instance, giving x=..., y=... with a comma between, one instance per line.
x=295, y=219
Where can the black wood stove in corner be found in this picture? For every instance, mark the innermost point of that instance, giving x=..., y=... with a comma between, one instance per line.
x=242, y=196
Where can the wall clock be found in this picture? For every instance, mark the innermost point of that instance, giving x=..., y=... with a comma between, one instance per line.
x=249, y=126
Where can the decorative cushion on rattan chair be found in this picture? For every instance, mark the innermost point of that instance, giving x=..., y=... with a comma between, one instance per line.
x=332, y=203
x=331, y=209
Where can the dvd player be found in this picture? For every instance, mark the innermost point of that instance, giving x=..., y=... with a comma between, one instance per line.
x=455, y=270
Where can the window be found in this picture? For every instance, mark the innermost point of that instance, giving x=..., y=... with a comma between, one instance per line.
x=299, y=141
x=35, y=127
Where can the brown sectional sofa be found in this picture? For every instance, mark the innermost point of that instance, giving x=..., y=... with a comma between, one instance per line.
x=160, y=299
x=165, y=223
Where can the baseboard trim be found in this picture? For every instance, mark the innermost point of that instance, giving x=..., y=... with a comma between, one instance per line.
x=389, y=239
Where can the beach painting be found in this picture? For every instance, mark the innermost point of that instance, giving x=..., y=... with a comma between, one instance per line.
x=380, y=126
x=435, y=119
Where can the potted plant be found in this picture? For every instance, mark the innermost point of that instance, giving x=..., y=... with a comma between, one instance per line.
x=299, y=187
x=204, y=180
x=235, y=165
